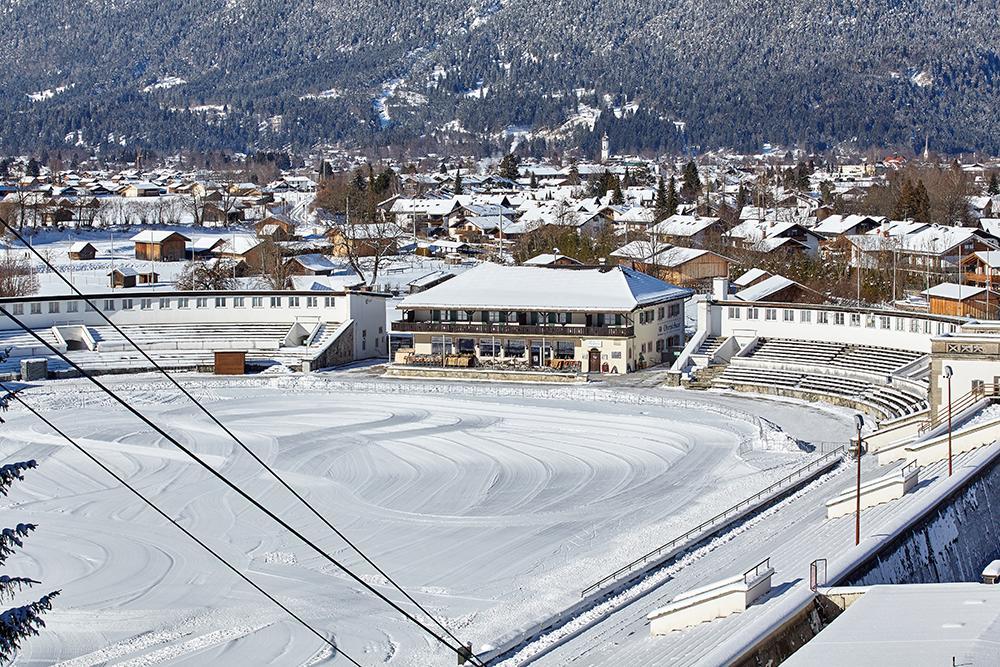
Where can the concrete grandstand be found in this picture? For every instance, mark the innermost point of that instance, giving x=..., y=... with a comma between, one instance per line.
x=182, y=330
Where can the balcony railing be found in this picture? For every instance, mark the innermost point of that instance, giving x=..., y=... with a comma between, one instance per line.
x=507, y=329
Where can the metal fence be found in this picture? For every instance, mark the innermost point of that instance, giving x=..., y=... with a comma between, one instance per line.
x=719, y=519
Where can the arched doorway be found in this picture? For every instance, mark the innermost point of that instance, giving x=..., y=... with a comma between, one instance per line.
x=594, y=361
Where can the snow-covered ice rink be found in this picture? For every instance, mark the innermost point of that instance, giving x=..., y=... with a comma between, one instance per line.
x=493, y=510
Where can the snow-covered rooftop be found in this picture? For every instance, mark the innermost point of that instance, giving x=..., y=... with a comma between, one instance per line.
x=491, y=286
x=911, y=624
x=953, y=291
x=764, y=288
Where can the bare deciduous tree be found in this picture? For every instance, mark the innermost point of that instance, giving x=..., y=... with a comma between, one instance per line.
x=206, y=276
x=17, y=278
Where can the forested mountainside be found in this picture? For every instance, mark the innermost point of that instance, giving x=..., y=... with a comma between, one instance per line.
x=656, y=75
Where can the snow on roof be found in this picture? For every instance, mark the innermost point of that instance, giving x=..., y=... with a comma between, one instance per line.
x=430, y=278
x=930, y=625
x=638, y=250
x=79, y=246
x=123, y=270
x=990, y=258
x=991, y=226
x=841, y=224
x=327, y=283
x=204, y=243
x=676, y=256
x=953, y=291
x=764, y=288
x=423, y=206
x=750, y=276
x=637, y=215
x=238, y=245
x=547, y=258
x=683, y=225
x=494, y=287
x=155, y=236
x=315, y=262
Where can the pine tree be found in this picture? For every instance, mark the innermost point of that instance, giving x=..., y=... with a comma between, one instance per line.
x=628, y=182
x=510, y=167
x=661, y=200
x=691, y=182
x=617, y=198
x=994, y=188
x=574, y=175
x=458, y=183
x=672, y=200
x=742, y=197
x=921, y=203
x=17, y=623
x=533, y=182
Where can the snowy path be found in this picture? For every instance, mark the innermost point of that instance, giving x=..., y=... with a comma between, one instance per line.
x=492, y=510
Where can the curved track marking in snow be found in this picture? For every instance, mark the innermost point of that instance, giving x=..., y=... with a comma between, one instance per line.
x=489, y=509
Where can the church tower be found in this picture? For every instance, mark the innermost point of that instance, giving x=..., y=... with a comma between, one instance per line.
x=605, y=149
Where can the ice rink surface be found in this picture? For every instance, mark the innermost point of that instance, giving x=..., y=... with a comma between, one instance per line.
x=492, y=510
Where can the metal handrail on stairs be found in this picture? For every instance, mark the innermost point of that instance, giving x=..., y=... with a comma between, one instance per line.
x=961, y=403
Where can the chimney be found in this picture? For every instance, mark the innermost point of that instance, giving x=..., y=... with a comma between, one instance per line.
x=720, y=289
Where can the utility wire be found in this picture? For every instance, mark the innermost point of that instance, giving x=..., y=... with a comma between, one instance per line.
x=461, y=651
x=238, y=441
x=14, y=394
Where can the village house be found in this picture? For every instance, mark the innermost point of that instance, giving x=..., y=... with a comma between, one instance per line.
x=981, y=268
x=691, y=230
x=597, y=320
x=82, y=250
x=772, y=235
x=553, y=258
x=275, y=227
x=310, y=265
x=160, y=246
x=140, y=189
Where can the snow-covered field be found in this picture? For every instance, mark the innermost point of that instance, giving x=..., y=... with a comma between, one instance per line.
x=493, y=507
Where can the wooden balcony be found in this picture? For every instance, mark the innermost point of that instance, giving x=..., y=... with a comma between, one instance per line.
x=506, y=329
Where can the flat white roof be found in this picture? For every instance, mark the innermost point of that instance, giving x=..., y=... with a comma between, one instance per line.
x=911, y=624
x=495, y=287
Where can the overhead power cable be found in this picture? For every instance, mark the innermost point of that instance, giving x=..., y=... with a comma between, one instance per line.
x=13, y=393
x=465, y=650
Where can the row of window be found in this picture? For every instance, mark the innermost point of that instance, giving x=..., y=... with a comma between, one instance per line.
x=183, y=302
x=647, y=316
x=502, y=348
x=868, y=320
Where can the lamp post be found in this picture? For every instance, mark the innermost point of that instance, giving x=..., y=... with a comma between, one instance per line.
x=947, y=375
x=859, y=421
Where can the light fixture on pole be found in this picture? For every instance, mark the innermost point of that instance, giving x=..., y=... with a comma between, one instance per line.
x=859, y=421
x=947, y=375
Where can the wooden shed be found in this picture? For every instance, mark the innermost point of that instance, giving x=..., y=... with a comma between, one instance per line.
x=159, y=246
x=82, y=250
x=230, y=362
x=963, y=301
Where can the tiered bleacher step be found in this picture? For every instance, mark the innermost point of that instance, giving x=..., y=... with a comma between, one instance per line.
x=857, y=375
x=187, y=346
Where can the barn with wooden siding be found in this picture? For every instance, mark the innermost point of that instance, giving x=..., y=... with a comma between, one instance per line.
x=963, y=301
x=82, y=250
x=157, y=246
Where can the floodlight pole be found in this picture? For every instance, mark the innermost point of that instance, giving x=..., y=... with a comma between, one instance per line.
x=859, y=421
x=947, y=374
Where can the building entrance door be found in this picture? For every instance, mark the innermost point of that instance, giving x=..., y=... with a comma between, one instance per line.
x=594, y=361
